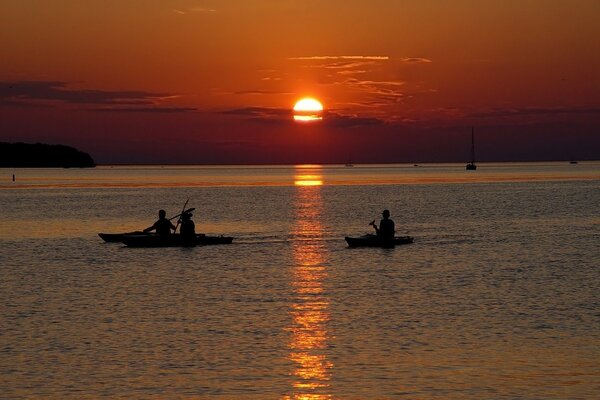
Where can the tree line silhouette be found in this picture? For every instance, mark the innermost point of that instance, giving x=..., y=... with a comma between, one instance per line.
x=39, y=155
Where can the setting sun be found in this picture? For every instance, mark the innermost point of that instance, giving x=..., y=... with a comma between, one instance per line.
x=308, y=109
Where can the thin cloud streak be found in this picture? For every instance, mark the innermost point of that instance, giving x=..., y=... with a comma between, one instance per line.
x=258, y=112
x=532, y=111
x=194, y=10
x=261, y=92
x=284, y=116
x=340, y=58
x=159, y=110
x=57, y=91
x=416, y=60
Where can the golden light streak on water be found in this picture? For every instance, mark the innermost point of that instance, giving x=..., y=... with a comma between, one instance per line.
x=310, y=311
x=308, y=179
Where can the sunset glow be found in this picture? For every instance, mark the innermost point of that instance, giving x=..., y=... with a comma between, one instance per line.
x=243, y=83
x=300, y=200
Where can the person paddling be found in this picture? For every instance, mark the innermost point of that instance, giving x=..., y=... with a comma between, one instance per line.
x=163, y=226
x=188, y=229
x=386, y=229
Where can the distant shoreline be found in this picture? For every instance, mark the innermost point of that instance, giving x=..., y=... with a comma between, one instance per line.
x=340, y=165
x=40, y=155
x=409, y=164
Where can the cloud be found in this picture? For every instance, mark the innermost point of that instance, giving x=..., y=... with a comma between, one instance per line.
x=364, y=104
x=29, y=93
x=260, y=92
x=345, y=67
x=380, y=58
x=344, y=64
x=352, y=72
x=160, y=110
x=374, y=83
x=259, y=112
x=412, y=60
x=536, y=111
x=336, y=120
x=332, y=119
x=194, y=10
x=202, y=9
x=415, y=60
x=21, y=104
x=344, y=70
x=381, y=91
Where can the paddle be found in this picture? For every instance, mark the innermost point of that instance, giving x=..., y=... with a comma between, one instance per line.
x=374, y=225
x=182, y=211
x=179, y=215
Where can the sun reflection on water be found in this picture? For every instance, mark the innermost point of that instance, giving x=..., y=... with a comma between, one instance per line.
x=310, y=311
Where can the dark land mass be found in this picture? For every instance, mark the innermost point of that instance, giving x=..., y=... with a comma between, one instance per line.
x=39, y=155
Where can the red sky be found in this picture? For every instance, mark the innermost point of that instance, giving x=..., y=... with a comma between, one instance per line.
x=215, y=81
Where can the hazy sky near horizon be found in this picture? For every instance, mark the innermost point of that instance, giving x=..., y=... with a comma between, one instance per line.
x=134, y=81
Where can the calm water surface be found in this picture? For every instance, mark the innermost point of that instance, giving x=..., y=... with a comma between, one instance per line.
x=499, y=296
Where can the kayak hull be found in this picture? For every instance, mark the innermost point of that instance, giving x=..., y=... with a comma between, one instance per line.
x=173, y=241
x=118, y=237
x=375, y=241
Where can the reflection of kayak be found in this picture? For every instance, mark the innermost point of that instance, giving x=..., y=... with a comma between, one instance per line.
x=118, y=237
x=175, y=240
x=376, y=241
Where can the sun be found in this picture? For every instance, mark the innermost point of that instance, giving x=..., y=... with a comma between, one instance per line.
x=308, y=109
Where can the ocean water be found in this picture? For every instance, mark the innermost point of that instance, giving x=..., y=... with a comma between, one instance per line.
x=498, y=298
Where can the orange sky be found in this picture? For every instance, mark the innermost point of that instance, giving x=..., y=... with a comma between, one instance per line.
x=116, y=76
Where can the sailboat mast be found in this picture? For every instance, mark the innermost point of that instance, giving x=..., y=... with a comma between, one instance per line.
x=472, y=145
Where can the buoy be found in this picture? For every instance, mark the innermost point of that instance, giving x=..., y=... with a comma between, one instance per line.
x=13, y=177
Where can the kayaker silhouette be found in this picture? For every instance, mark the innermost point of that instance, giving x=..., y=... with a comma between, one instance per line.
x=386, y=229
x=163, y=226
x=188, y=228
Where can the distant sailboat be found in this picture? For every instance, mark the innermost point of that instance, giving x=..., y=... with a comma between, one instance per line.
x=349, y=163
x=471, y=165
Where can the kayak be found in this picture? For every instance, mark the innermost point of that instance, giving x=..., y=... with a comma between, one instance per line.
x=175, y=240
x=118, y=237
x=376, y=241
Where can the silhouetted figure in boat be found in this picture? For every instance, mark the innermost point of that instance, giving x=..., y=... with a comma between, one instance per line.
x=188, y=229
x=387, y=228
x=163, y=226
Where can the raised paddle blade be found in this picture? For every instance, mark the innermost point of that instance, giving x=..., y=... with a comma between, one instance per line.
x=179, y=215
x=182, y=211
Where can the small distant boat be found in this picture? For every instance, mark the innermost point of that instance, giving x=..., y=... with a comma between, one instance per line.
x=471, y=165
x=573, y=162
x=174, y=240
x=371, y=240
